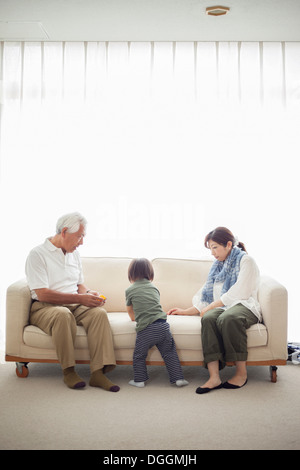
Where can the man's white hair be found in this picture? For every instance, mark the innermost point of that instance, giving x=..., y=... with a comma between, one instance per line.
x=72, y=221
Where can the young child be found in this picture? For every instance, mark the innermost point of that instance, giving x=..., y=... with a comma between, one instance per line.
x=143, y=306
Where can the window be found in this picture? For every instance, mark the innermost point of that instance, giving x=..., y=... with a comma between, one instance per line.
x=156, y=144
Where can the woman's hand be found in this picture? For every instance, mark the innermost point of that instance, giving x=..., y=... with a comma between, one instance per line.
x=182, y=311
x=203, y=311
x=216, y=304
x=176, y=311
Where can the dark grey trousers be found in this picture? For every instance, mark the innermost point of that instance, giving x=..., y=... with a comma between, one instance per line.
x=159, y=334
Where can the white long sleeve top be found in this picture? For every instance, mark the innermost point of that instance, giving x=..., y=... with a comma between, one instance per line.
x=244, y=291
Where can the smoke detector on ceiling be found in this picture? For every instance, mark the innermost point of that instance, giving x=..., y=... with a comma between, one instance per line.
x=217, y=10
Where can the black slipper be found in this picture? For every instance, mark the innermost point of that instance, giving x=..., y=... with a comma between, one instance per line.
x=202, y=390
x=232, y=386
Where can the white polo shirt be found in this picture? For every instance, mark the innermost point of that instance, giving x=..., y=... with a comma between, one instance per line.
x=48, y=267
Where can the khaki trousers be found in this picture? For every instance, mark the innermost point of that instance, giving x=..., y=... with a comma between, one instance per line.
x=60, y=322
x=224, y=336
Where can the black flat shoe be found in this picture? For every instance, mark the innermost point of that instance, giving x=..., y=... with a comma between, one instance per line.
x=232, y=386
x=202, y=390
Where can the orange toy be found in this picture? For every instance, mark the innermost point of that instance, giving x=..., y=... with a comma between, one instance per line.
x=102, y=297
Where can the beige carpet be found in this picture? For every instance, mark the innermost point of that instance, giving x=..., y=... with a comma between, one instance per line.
x=40, y=412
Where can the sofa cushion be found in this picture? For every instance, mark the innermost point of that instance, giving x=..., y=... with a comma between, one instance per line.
x=36, y=338
x=186, y=331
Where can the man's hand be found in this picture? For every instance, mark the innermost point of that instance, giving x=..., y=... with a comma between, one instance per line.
x=91, y=299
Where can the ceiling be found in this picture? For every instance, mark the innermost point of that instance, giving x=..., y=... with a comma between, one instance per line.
x=148, y=20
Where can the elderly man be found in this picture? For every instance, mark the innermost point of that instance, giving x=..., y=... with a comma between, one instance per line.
x=61, y=301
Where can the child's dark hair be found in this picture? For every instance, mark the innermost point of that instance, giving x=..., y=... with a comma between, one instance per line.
x=222, y=236
x=140, y=268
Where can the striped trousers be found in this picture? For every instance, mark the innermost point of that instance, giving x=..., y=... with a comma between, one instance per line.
x=156, y=334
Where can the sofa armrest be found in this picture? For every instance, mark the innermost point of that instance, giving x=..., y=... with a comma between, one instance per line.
x=273, y=299
x=18, y=303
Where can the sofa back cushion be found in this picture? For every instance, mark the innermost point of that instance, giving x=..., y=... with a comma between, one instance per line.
x=177, y=280
x=109, y=277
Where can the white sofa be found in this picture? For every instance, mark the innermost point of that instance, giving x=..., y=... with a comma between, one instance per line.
x=177, y=280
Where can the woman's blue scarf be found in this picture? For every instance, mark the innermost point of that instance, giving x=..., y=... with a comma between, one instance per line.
x=223, y=271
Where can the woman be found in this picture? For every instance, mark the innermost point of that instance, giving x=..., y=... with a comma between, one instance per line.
x=228, y=304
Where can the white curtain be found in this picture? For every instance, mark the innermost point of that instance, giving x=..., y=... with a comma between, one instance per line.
x=156, y=144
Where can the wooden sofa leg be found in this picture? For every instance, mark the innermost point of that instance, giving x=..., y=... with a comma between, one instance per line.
x=22, y=369
x=273, y=373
